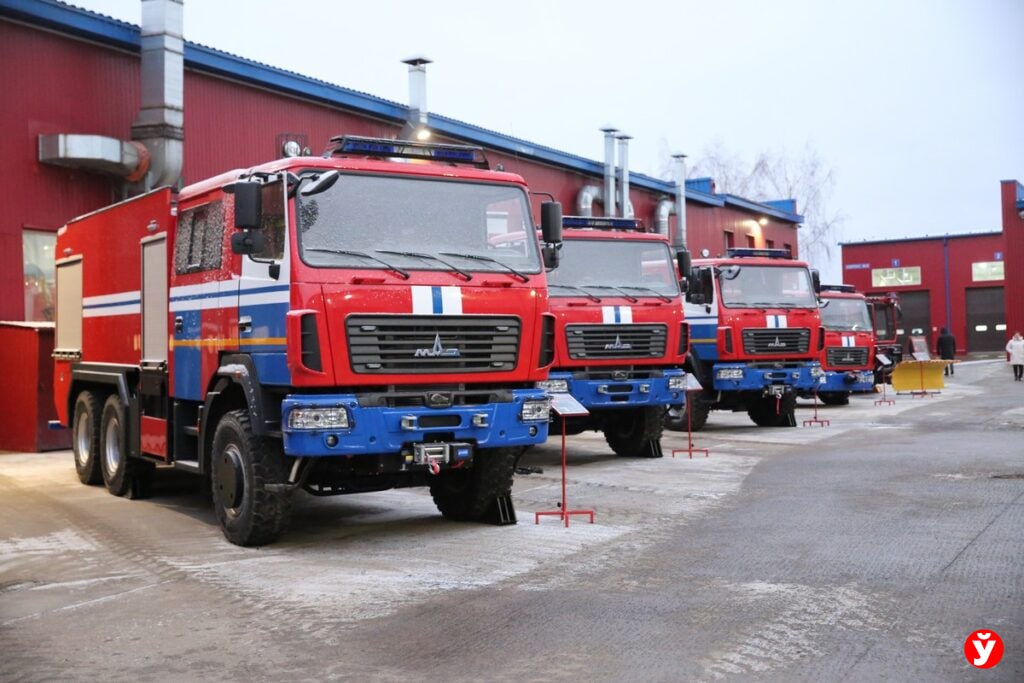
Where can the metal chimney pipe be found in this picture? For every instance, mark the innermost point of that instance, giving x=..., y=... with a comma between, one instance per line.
x=416, y=122
x=626, y=207
x=609, y=169
x=161, y=120
x=680, y=238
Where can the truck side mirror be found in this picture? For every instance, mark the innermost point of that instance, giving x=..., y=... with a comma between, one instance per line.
x=707, y=284
x=816, y=280
x=550, y=254
x=683, y=263
x=247, y=242
x=551, y=222
x=248, y=205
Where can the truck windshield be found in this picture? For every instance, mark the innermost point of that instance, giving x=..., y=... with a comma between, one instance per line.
x=744, y=286
x=637, y=269
x=846, y=315
x=418, y=224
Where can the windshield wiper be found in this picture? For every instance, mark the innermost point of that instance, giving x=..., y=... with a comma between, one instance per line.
x=648, y=289
x=480, y=257
x=429, y=257
x=361, y=254
x=578, y=289
x=629, y=297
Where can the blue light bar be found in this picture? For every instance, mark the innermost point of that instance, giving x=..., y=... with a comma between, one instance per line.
x=602, y=223
x=745, y=252
x=355, y=145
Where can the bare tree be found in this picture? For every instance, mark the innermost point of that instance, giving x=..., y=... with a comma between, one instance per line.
x=776, y=175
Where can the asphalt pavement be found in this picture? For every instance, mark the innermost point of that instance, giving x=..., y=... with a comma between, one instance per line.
x=868, y=549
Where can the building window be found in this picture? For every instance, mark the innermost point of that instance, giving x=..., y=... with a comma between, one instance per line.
x=788, y=249
x=895, y=277
x=987, y=271
x=769, y=244
x=751, y=242
x=730, y=240
x=37, y=248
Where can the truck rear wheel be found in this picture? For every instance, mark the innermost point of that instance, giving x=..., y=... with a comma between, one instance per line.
x=123, y=475
x=634, y=433
x=767, y=411
x=467, y=494
x=244, y=468
x=85, y=438
x=676, y=419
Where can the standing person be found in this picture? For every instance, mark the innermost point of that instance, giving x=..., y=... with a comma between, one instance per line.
x=1015, y=351
x=945, y=347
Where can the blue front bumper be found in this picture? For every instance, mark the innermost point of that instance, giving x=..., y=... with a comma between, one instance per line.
x=596, y=394
x=383, y=430
x=857, y=381
x=803, y=377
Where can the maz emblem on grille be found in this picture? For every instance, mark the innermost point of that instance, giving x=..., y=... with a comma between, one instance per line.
x=777, y=344
x=618, y=345
x=437, y=351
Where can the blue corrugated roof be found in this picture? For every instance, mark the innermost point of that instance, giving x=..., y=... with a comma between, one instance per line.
x=922, y=238
x=101, y=28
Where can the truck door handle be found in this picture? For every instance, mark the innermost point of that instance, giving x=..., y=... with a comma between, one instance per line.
x=245, y=324
x=179, y=324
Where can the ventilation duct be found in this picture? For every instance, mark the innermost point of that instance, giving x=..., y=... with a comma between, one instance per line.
x=415, y=127
x=626, y=207
x=160, y=123
x=609, y=170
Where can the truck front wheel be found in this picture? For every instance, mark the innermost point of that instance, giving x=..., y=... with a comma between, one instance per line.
x=835, y=398
x=676, y=418
x=123, y=475
x=467, y=494
x=635, y=433
x=85, y=438
x=768, y=411
x=245, y=469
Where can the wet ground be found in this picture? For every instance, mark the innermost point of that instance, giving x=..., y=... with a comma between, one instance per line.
x=868, y=549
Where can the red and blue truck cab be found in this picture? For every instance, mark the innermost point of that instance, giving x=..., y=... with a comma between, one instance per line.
x=755, y=335
x=848, y=358
x=335, y=324
x=621, y=340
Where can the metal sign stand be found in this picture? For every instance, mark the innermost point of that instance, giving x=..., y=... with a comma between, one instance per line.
x=689, y=430
x=814, y=420
x=564, y=405
x=885, y=400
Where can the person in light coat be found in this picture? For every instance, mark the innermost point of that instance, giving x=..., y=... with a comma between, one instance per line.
x=1015, y=355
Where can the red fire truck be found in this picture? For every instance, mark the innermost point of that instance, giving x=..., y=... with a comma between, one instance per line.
x=339, y=324
x=620, y=340
x=848, y=358
x=755, y=335
x=886, y=314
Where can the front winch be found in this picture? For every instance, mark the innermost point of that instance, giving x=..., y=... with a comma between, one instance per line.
x=433, y=455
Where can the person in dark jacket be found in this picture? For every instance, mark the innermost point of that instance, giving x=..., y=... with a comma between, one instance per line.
x=945, y=347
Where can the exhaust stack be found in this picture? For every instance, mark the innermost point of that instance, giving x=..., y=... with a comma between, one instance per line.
x=415, y=127
x=625, y=206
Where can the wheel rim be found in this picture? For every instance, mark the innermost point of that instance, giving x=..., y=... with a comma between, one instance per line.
x=83, y=439
x=230, y=481
x=112, y=445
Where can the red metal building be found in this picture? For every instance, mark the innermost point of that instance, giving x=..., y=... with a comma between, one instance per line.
x=972, y=284
x=71, y=71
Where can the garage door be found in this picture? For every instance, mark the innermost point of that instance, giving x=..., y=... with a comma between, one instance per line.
x=917, y=318
x=986, y=319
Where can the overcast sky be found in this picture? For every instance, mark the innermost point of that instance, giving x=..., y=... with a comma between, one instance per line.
x=917, y=105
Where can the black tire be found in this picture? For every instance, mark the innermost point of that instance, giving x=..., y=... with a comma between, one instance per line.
x=122, y=474
x=255, y=514
x=466, y=495
x=835, y=398
x=85, y=438
x=676, y=418
x=767, y=412
x=634, y=433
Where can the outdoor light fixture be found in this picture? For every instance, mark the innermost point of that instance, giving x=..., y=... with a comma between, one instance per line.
x=423, y=134
x=291, y=148
x=762, y=221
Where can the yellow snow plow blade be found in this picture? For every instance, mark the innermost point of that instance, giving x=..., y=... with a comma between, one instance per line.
x=919, y=375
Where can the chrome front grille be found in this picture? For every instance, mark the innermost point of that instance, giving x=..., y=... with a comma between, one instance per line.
x=595, y=342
